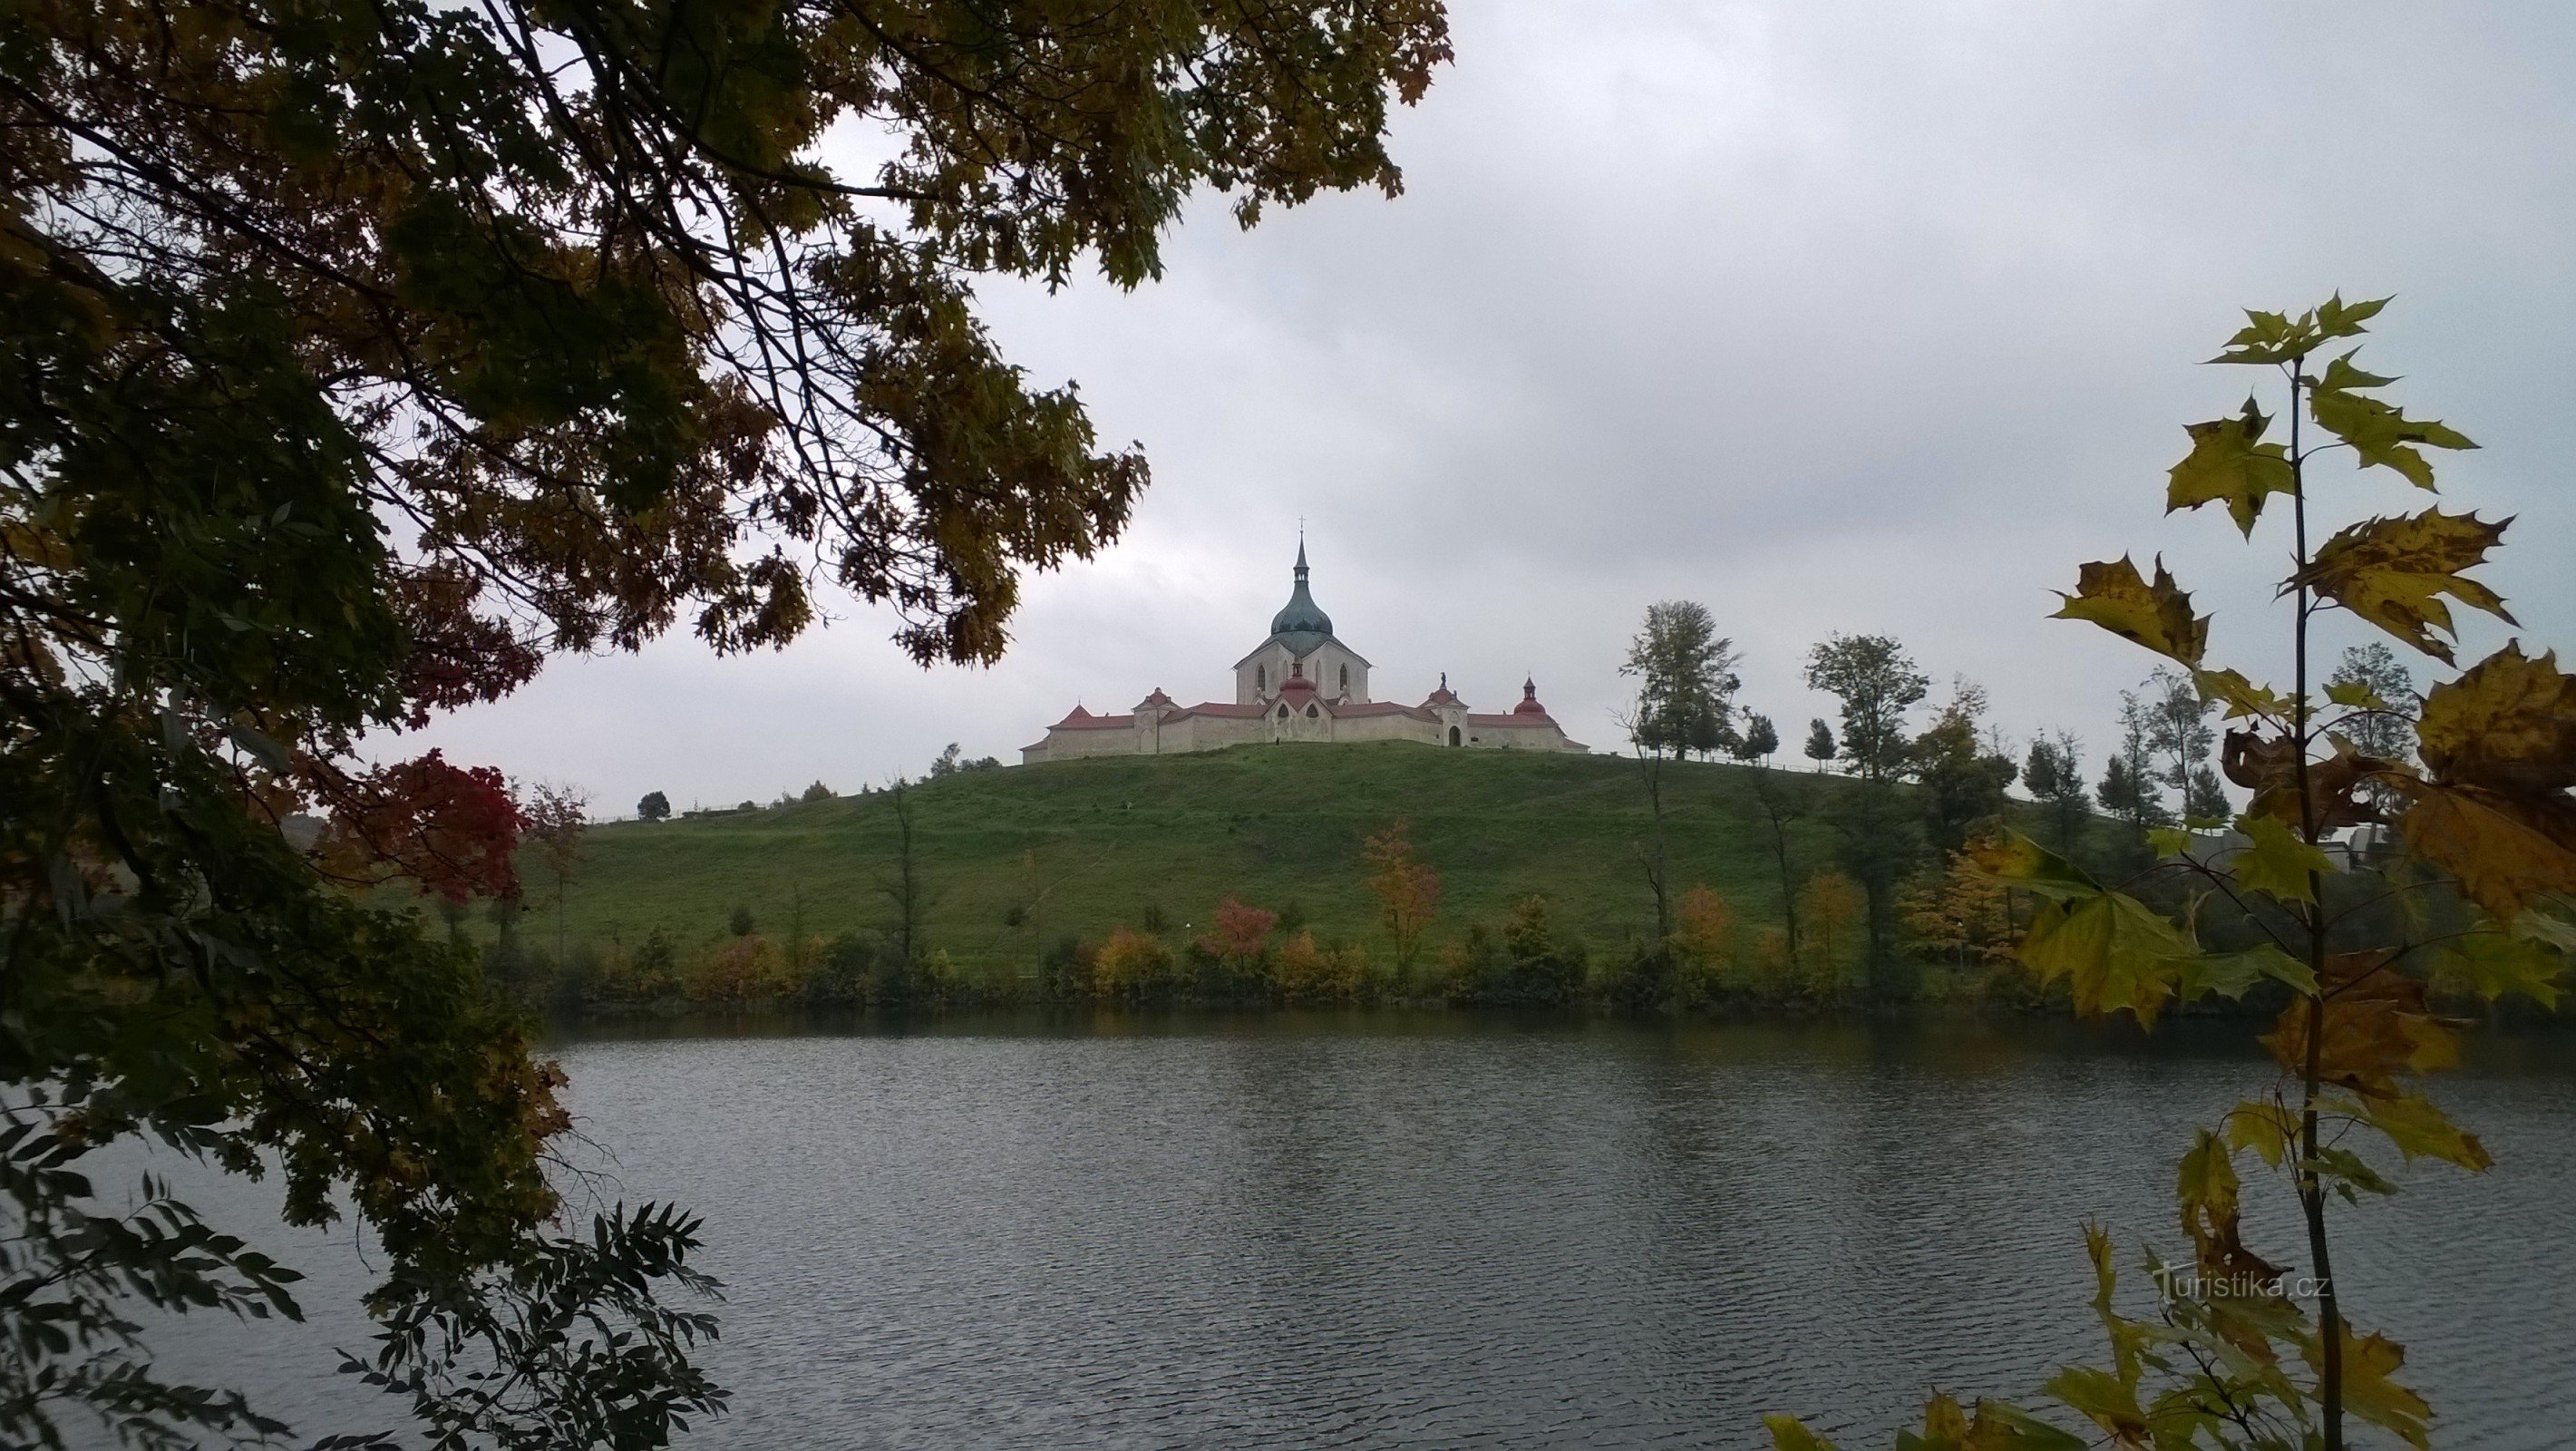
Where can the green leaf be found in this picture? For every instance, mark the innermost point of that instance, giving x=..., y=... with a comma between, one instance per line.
x=2231, y=974
x=2277, y=863
x=2229, y=464
x=2354, y=694
x=2492, y=964
x=2349, y=1171
x=2018, y=861
x=2380, y=433
x=2242, y=696
x=2114, y=595
x=2113, y=949
x=2393, y=572
x=2170, y=842
x=2336, y=318
x=2419, y=1128
x=2105, y=1400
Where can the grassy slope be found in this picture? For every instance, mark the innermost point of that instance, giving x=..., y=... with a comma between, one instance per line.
x=1274, y=825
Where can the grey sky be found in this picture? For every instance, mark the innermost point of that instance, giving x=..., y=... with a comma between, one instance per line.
x=1835, y=316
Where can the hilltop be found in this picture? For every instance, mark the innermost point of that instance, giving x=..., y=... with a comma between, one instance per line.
x=1016, y=858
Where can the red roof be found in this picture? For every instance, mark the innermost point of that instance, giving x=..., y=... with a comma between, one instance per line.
x=1516, y=719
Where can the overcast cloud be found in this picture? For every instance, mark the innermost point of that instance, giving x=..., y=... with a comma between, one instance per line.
x=1835, y=316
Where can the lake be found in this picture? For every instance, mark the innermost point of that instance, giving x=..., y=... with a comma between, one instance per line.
x=1448, y=1230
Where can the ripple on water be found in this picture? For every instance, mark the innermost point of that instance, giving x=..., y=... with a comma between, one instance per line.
x=1482, y=1234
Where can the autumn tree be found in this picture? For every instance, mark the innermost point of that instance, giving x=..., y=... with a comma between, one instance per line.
x=364, y=356
x=1686, y=681
x=1407, y=891
x=1832, y=904
x=2239, y=1351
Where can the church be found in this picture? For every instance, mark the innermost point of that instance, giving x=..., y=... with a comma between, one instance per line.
x=1301, y=684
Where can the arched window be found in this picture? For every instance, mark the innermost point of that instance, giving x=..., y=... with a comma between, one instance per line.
x=1283, y=710
x=1260, y=677
x=1346, y=680
x=1310, y=712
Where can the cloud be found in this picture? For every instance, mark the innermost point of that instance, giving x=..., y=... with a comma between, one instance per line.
x=1837, y=316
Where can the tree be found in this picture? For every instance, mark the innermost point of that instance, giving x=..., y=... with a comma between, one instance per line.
x=1760, y=740
x=739, y=922
x=1820, y=742
x=654, y=807
x=1831, y=903
x=2378, y=694
x=2054, y=775
x=2130, y=789
x=1686, y=681
x=557, y=817
x=2232, y=1355
x=1650, y=850
x=1962, y=778
x=905, y=891
x=1784, y=799
x=946, y=764
x=1877, y=684
x=2177, y=729
x=364, y=355
x=815, y=792
x=1407, y=891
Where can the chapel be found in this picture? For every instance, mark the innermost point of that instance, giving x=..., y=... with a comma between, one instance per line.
x=1300, y=684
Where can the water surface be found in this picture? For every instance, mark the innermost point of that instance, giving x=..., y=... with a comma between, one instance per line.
x=1456, y=1231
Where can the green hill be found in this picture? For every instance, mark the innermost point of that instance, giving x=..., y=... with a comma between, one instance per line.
x=1122, y=840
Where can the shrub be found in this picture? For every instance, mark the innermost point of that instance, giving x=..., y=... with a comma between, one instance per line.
x=740, y=923
x=1307, y=973
x=1133, y=967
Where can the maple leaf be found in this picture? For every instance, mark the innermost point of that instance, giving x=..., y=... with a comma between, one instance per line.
x=2375, y=1027
x=2112, y=594
x=2380, y=433
x=2276, y=862
x=2367, y=1390
x=2507, y=850
x=2393, y=572
x=2508, y=722
x=2115, y=951
x=2229, y=464
x=2418, y=1127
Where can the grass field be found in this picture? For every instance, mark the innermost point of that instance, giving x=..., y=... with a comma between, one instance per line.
x=1102, y=842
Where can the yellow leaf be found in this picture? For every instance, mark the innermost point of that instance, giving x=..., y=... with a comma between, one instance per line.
x=2277, y=863
x=2392, y=572
x=2115, y=951
x=1788, y=1433
x=2507, y=852
x=2228, y=464
x=2265, y=1126
x=2417, y=1126
x=2508, y=723
x=2241, y=696
x=2367, y=1390
x=2115, y=596
x=2016, y=860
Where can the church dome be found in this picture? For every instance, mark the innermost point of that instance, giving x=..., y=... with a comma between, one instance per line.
x=1301, y=615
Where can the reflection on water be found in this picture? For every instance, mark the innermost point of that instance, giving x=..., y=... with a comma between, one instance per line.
x=1442, y=1231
